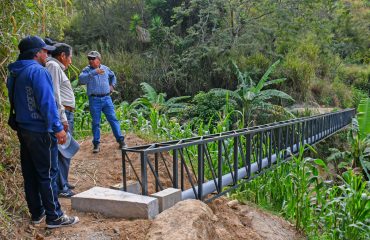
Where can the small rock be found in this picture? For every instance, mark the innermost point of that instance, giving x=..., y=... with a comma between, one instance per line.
x=39, y=237
x=245, y=221
x=233, y=204
x=218, y=201
x=116, y=230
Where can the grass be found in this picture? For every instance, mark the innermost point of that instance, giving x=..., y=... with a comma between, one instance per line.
x=318, y=207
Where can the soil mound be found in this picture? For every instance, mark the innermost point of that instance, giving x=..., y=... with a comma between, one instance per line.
x=187, y=220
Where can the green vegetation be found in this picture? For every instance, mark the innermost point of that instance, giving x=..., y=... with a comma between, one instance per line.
x=181, y=48
x=363, y=113
x=334, y=207
x=337, y=208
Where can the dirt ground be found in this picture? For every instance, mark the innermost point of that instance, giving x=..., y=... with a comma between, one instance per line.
x=104, y=169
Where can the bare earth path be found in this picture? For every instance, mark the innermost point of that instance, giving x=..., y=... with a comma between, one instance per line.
x=104, y=169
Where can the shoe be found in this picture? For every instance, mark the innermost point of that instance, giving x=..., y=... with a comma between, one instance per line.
x=122, y=144
x=39, y=219
x=96, y=148
x=70, y=186
x=66, y=194
x=63, y=221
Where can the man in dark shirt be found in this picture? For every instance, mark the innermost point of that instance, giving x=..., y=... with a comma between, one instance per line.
x=39, y=131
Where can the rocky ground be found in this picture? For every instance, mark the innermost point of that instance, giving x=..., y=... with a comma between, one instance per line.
x=191, y=219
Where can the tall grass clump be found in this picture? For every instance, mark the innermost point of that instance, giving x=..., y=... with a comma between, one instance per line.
x=322, y=209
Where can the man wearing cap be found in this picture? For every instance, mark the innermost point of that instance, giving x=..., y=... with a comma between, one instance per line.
x=100, y=81
x=39, y=130
x=60, y=59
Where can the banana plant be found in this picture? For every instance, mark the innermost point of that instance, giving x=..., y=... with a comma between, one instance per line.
x=252, y=97
x=359, y=153
x=360, y=149
x=255, y=96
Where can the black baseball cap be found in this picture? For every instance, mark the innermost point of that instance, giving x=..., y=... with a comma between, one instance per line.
x=33, y=43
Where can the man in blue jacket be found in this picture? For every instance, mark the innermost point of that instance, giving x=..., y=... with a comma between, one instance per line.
x=100, y=81
x=39, y=131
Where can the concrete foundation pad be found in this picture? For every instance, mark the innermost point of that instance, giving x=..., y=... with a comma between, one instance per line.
x=115, y=203
x=132, y=187
x=167, y=198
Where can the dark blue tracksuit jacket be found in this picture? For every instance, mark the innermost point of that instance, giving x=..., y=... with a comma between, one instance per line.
x=34, y=102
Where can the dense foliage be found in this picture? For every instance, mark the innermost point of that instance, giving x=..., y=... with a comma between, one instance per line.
x=185, y=46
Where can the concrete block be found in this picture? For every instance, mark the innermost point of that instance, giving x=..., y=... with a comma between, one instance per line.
x=115, y=203
x=167, y=198
x=132, y=187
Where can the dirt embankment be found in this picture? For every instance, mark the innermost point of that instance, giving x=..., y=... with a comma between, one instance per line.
x=220, y=219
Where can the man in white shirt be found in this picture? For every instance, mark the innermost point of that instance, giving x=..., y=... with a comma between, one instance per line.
x=60, y=59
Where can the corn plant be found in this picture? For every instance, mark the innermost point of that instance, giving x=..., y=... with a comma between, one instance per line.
x=321, y=209
x=346, y=212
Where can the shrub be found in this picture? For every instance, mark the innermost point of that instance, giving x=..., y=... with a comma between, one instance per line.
x=343, y=94
x=299, y=67
x=355, y=75
x=336, y=94
x=206, y=107
x=255, y=64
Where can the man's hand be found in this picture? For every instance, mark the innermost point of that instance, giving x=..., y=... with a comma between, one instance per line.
x=61, y=136
x=99, y=71
x=65, y=126
x=111, y=88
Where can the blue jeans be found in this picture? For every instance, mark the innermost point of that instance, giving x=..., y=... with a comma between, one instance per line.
x=63, y=162
x=105, y=105
x=39, y=169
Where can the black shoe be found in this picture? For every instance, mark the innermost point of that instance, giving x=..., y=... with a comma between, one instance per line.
x=66, y=194
x=70, y=186
x=122, y=144
x=39, y=219
x=96, y=148
x=63, y=221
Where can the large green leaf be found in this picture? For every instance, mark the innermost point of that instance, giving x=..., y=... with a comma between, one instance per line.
x=240, y=75
x=275, y=81
x=363, y=116
x=265, y=76
x=177, y=99
x=149, y=92
x=270, y=93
